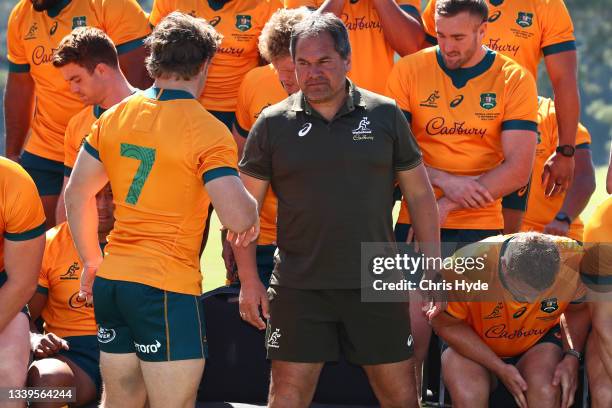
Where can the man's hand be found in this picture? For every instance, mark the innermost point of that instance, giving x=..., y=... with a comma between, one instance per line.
x=253, y=295
x=558, y=174
x=515, y=383
x=243, y=239
x=87, y=279
x=566, y=375
x=466, y=191
x=556, y=227
x=47, y=345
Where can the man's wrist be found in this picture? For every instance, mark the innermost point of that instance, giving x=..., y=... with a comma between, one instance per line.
x=573, y=354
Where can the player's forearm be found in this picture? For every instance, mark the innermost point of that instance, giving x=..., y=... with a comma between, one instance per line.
x=567, y=105
x=403, y=32
x=578, y=195
x=506, y=178
x=246, y=262
x=18, y=105
x=424, y=212
x=14, y=294
x=332, y=6
x=437, y=177
x=602, y=328
x=577, y=323
x=464, y=340
x=83, y=221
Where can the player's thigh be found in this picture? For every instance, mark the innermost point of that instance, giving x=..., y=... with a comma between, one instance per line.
x=123, y=381
x=600, y=382
x=538, y=364
x=15, y=351
x=56, y=372
x=172, y=383
x=294, y=378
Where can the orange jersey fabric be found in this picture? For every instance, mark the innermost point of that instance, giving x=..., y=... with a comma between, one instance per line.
x=240, y=22
x=372, y=56
x=523, y=30
x=510, y=327
x=21, y=213
x=542, y=209
x=599, y=226
x=251, y=101
x=157, y=146
x=458, y=116
x=59, y=279
x=76, y=132
x=32, y=37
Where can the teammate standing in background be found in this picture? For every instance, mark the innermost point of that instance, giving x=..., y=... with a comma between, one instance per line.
x=473, y=112
x=88, y=61
x=146, y=291
x=524, y=31
x=263, y=87
x=558, y=214
x=377, y=30
x=35, y=28
x=239, y=22
x=22, y=224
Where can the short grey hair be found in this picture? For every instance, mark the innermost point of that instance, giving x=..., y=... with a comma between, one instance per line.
x=318, y=23
x=534, y=258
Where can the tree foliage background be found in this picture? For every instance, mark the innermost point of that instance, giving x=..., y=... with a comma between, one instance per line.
x=593, y=28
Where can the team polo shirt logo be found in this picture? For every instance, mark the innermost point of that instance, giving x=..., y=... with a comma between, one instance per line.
x=53, y=28
x=362, y=131
x=305, y=129
x=519, y=312
x=430, y=102
x=31, y=32
x=243, y=22
x=524, y=19
x=496, y=312
x=496, y=2
x=488, y=100
x=80, y=21
x=74, y=301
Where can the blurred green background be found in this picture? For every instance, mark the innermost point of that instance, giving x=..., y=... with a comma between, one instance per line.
x=593, y=29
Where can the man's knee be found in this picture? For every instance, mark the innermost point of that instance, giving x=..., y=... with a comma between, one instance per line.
x=289, y=392
x=543, y=392
x=402, y=397
x=469, y=394
x=49, y=374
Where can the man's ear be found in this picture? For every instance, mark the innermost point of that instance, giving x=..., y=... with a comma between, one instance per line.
x=347, y=63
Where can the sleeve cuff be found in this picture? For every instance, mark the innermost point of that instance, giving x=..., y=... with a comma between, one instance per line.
x=18, y=68
x=409, y=166
x=518, y=124
x=218, y=172
x=27, y=235
x=584, y=146
x=41, y=289
x=130, y=45
x=408, y=116
x=91, y=150
x=410, y=9
x=241, y=131
x=67, y=171
x=559, y=47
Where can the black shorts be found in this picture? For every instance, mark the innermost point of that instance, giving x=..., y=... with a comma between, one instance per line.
x=316, y=325
x=553, y=335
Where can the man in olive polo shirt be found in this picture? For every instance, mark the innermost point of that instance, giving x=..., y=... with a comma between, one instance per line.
x=332, y=153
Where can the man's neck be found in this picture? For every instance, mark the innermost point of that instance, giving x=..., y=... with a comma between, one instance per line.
x=476, y=58
x=118, y=89
x=187, y=86
x=329, y=109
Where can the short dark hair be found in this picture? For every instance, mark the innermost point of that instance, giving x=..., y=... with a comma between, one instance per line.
x=86, y=47
x=179, y=45
x=450, y=8
x=533, y=258
x=318, y=23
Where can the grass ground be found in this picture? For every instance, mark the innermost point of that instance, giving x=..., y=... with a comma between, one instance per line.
x=214, y=270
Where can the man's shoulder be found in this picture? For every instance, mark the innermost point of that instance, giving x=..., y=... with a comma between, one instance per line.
x=20, y=11
x=510, y=68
